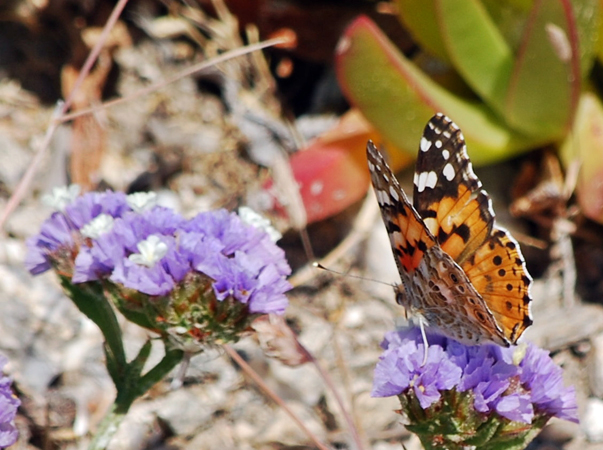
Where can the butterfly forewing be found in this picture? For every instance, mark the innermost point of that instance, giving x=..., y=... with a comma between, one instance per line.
x=408, y=236
x=447, y=193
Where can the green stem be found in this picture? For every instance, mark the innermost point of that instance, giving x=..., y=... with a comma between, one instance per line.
x=108, y=427
x=90, y=300
x=132, y=386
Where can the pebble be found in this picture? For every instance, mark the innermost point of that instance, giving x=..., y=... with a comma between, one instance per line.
x=592, y=420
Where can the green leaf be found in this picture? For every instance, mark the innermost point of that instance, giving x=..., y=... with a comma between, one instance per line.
x=91, y=301
x=476, y=48
x=545, y=84
x=398, y=98
x=587, y=14
x=419, y=17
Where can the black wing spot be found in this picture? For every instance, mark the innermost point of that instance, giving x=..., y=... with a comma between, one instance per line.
x=454, y=278
x=430, y=213
x=480, y=316
x=422, y=246
x=393, y=228
x=463, y=232
x=502, y=272
x=509, y=306
x=442, y=236
x=497, y=260
x=509, y=287
x=511, y=245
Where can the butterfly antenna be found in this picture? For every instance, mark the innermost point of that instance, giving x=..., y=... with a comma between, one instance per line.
x=344, y=274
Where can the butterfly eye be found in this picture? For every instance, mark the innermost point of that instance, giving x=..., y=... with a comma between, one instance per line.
x=400, y=298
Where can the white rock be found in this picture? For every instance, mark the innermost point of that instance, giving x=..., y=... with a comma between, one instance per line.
x=592, y=420
x=596, y=367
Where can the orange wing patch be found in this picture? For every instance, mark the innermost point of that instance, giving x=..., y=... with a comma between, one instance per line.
x=498, y=273
x=460, y=223
x=407, y=233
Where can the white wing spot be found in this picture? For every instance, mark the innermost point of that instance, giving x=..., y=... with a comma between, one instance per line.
x=394, y=194
x=426, y=180
x=445, y=154
x=438, y=144
x=425, y=144
x=432, y=179
x=448, y=172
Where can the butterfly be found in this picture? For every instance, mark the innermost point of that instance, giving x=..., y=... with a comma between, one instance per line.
x=461, y=273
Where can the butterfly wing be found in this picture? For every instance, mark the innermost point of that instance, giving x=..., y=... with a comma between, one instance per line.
x=408, y=235
x=458, y=212
x=434, y=286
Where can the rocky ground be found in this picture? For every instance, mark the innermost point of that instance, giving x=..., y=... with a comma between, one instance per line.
x=195, y=142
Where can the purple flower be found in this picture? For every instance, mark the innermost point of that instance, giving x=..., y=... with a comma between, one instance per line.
x=140, y=252
x=134, y=244
x=62, y=230
x=8, y=410
x=242, y=260
x=400, y=368
x=516, y=392
x=544, y=380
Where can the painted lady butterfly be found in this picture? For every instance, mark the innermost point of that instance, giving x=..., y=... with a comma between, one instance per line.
x=460, y=272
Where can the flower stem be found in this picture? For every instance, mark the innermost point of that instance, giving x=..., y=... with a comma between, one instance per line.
x=108, y=426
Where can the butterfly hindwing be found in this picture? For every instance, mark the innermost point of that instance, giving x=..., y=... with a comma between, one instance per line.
x=498, y=272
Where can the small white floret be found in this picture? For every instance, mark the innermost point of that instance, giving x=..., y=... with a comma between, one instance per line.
x=251, y=217
x=61, y=197
x=101, y=224
x=152, y=249
x=142, y=201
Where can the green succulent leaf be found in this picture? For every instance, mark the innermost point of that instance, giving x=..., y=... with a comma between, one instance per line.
x=476, y=48
x=545, y=83
x=420, y=18
x=398, y=98
x=588, y=23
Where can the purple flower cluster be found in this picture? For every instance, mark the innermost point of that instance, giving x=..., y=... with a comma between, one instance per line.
x=8, y=409
x=151, y=249
x=516, y=391
x=62, y=230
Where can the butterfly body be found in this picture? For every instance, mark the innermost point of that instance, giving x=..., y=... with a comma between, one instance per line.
x=460, y=272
